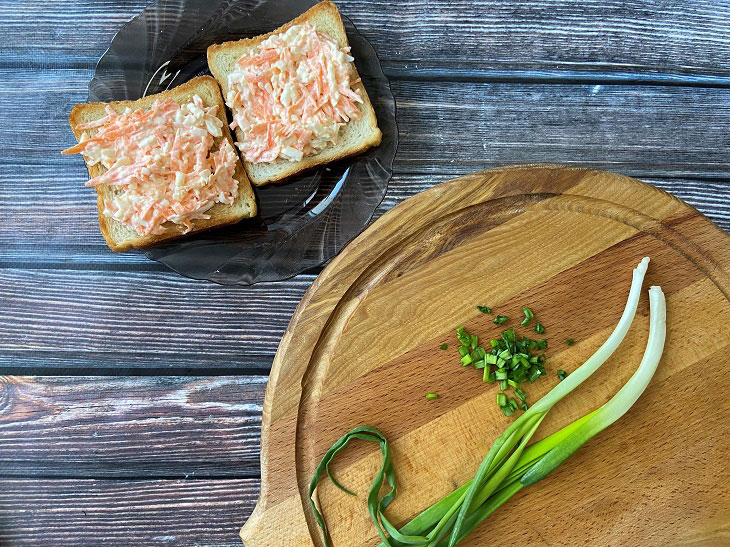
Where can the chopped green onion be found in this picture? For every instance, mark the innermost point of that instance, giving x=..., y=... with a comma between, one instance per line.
x=491, y=377
x=505, y=354
x=539, y=329
x=444, y=346
x=534, y=374
x=528, y=316
x=510, y=464
x=520, y=430
x=463, y=350
x=493, y=343
x=466, y=360
x=463, y=337
x=503, y=384
x=501, y=374
x=484, y=309
x=479, y=364
x=432, y=396
x=491, y=359
x=569, y=341
x=561, y=375
x=521, y=394
x=500, y=319
x=474, y=341
x=519, y=375
x=512, y=382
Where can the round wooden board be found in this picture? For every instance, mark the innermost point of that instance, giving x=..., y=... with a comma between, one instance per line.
x=363, y=348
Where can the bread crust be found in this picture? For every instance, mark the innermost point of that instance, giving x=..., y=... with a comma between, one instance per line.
x=221, y=214
x=218, y=52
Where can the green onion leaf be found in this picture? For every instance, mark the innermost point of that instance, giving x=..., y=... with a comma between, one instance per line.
x=539, y=329
x=500, y=319
x=376, y=504
x=484, y=309
x=432, y=396
x=463, y=337
x=534, y=374
x=528, y=316
x=519, y=375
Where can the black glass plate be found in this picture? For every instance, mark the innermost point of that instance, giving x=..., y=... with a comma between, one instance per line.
x=301, y=223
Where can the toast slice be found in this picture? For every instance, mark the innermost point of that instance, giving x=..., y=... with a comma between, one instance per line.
x=119, y=236
x=354, y=138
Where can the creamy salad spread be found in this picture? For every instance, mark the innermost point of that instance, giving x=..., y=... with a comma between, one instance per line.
x=162, y=162
x=291, y=98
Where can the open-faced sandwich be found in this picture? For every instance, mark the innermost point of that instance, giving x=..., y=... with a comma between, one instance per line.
x=295, y=95
x=162, y=166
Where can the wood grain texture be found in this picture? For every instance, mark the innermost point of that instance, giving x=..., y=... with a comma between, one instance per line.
x=72, y=307
x=42, y=205
x=350, y=357
x=651, y=130
x=674, y=133
x=683, y=39
x=117, y=320
x=95, y=512
x=130, y=427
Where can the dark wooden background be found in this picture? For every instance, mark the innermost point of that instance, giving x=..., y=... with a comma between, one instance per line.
x=131, y=402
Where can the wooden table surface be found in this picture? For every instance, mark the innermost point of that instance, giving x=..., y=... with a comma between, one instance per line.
x=131, y=399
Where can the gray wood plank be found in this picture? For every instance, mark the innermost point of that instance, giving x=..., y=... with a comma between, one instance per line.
x=90, y=316
x=48, y=220
x=118, y=321
x=130, y=427
x=94, y=512
x=497, y=37
x=460, y=126
x=673, y=133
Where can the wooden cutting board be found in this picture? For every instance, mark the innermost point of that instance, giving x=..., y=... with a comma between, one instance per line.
x=363, y=348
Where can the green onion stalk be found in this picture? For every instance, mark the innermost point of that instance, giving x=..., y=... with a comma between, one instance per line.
x=511, y=464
